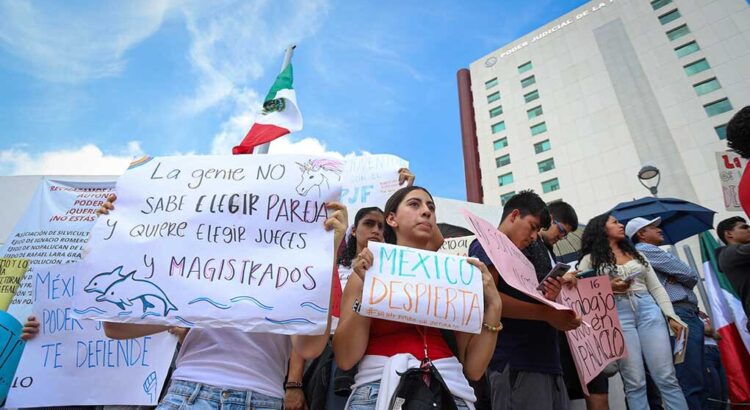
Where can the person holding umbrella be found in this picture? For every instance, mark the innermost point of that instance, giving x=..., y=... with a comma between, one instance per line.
x=678, y=280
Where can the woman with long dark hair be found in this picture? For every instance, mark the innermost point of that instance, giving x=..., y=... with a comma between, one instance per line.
x=642, y=304
x=376, y=344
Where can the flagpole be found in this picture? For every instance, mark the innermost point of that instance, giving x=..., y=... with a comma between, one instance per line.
x=701, y=287
x=263, y=148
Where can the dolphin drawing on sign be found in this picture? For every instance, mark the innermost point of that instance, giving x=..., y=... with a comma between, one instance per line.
x=100, y=282
x=127, y=289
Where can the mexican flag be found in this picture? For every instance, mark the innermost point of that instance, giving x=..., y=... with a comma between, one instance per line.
x=279, y=116
x=730, y=321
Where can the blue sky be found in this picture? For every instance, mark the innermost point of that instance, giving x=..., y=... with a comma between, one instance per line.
x=88, y=85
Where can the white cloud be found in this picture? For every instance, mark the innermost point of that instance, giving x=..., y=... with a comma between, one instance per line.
x=86, y=160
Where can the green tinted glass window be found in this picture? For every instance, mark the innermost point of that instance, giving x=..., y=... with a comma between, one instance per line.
x=493, y=97
x=496, y=111
x=539, y=128
x=687, y=49
x=721, y=131
x=505, y=197
x=505, y=179
x=657, y=4
x=491, y=83
x=546, y=165
x=534, y=112
x=531, y=96
x=500, y=126
x=525, y=67
x=528, y=81
x=718, y=107
x=500, y=144
x=669, y=17
x=696, y=67
x=502, y=161
x=540, y=147
x=551, y=185
x=678, y=32
x=707, y=86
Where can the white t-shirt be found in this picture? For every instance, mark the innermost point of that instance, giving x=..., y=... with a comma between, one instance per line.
x=234, y=359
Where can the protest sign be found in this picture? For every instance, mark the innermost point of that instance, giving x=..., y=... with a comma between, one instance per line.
x=599, y=341
x=730, y=166
x=424, y=288
x=11, y=347
x=457, y=246
x=369, y=180
x=11, y=272
x=509, y=261
x=53, y=230
x=216, y=241
x=68, y=357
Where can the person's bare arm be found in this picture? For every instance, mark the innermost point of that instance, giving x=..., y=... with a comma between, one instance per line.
x=131, y=330
x=294, y=398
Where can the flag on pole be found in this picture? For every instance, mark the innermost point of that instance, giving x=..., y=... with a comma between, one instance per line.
x=730, y=322
x=280, y=115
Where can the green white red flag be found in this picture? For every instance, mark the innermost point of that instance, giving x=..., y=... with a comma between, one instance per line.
x=280, y=115
x=730, y=322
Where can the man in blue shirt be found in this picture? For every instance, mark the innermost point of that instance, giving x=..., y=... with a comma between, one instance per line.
x=525, y=371
x=678, y=280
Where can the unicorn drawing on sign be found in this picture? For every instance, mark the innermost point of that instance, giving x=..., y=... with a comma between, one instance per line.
x=316, y=173
x=124, y=291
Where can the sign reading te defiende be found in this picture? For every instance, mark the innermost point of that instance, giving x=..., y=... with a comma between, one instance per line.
x=216, y=241
x=424, y=288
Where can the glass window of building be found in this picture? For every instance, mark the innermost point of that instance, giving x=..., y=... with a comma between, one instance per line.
x=493, y=97
x=502, y=161
x=705, y=87
x=678, y=32
x=505, y=179
x=669, y=17
x=528, y=81
x=490, y=83
x=687, y=49
x=546, y=165
x=697, y=67
x=525, y=67
x=657, y=4
x=550, y=185
x=496, y=111
x=721, y=131
x=539, y=128
x=500, y=144
x=534, y=112
x=531, y=96
x=543, y=146
x=718, y=107
x=500, y=126
x=506, y=196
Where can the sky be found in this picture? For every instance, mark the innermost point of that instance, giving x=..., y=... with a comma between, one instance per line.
x=87, y=86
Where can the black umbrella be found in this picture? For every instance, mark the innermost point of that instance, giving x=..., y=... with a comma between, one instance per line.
x=680, y=219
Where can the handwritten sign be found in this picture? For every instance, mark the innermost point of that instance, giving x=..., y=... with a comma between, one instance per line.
x=369, y=180
x=53, y=230
x=71, y=362
x=424, y=288
x=11, y=347
x=457, y=246
x=11, y=273
x=509, y=261
x=730, y=166
x=600, y=340
x=216, y=241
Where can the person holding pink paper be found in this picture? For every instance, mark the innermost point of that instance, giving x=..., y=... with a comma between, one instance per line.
x=642, y=304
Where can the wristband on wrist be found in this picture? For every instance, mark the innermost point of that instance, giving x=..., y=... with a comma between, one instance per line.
x=491, y=328
x=293, y=385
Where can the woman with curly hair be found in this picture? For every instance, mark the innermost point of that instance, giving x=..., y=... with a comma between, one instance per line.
x=642, y=304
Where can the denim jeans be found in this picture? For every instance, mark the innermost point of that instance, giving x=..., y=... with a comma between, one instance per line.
x=190, y=395
x=647, y=338
x=365, y=396
x=715, y=379
x=690, y=372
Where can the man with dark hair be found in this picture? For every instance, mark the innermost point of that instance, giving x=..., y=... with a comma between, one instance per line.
x=525, y=371
x=678, y=280
x=734, y=259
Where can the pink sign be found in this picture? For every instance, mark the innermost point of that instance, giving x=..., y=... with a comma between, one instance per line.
x=510, y=263
x=600, y=340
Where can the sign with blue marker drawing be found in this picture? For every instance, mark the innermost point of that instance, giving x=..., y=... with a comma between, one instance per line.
x=424, y=288
x=216, y=241
x=11, y=347
x=369, y=180
x=71, y=362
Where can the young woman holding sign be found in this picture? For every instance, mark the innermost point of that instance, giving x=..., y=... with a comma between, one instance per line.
x=376, y=345
x=642, y=304
x=227, y=368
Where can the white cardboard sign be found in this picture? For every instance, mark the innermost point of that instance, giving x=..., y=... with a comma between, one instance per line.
x=369, y=180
